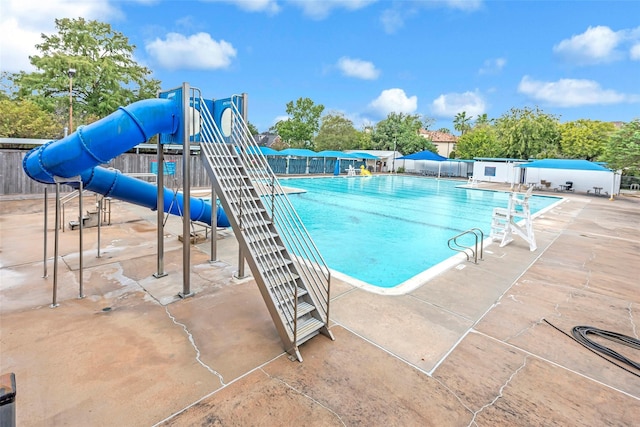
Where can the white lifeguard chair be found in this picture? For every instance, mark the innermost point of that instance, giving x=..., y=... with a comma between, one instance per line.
x=503, y=223
x=351, y=171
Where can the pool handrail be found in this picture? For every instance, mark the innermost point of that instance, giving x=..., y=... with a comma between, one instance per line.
x=478, y=234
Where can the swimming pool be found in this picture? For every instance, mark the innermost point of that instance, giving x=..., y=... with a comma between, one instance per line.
x=386, y=229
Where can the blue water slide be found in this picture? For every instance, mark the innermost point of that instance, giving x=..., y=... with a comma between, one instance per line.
x=81, y=153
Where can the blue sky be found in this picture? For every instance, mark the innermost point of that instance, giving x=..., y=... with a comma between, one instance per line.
x=366, y=58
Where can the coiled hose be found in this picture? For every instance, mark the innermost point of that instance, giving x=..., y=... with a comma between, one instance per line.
x=580, y=334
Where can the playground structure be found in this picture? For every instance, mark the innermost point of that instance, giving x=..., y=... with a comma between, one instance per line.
x=287, y=267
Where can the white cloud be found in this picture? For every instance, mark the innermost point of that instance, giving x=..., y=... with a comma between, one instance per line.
x=320, y=9
x=269, y=6
x=450, y=104
x=393, y=18
x=196, y=52
x=22, y=22
x=358, y=68
x=634, y=52
x=493, y=66
x=596, y=45
x=572, y=92
x=469, y=5
x=394, y=101
x=281, y=119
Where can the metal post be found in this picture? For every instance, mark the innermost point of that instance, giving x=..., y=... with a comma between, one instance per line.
x=81, y=227
x=54, y=302
x=160, y=213
x=395, y=145
x=214, y=225
x=240, y=274
x=99, y=224
x=71, y=72
x=46, y=215
x=186, y=192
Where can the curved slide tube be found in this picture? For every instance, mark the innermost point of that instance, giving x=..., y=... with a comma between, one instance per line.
x=80, y=153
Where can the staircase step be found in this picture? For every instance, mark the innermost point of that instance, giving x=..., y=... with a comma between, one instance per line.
x=275, y=279
x=274, y=264
x=234, y=199
x=273, y=250
x=286, y=295
x=308, y=329
x=233, y=184
x=251, y=211
x=258, y=236
x=304, y=308
x=253, y=224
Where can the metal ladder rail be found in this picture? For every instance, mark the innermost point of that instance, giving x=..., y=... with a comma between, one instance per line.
x=477, y=233
x=310, y=252
x=226, y=163
x=268, y=254
x=252, y=155
x=63, y=201
x=291, y=227
x=258, y=245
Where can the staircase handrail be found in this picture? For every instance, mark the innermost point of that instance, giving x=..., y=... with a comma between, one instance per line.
x=309, y=262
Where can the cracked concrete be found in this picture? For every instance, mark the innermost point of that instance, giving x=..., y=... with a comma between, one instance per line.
x=466, y=348
x=499, y=395
x=633, y=323
x=195, y=346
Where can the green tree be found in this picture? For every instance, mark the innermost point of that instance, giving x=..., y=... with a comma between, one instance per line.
x=302, y=125
x=445, y=130
x=400, y=131
x=482, y=120
x=528, y=133
x=584, y=139
x=252, y=129
x=364, y=138
x=106, y=76
x=336, y=133
x=462, y=122
x=25, y=119
x=622, y=150
x=480, y=141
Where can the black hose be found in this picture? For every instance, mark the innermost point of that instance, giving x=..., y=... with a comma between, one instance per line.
x=580, y=335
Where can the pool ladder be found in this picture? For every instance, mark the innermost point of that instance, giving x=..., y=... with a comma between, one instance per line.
x=469, y=251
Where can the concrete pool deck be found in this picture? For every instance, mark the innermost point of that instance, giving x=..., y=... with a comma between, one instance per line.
x=469, y=347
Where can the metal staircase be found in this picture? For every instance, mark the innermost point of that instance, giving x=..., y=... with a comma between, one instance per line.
x=293, y=278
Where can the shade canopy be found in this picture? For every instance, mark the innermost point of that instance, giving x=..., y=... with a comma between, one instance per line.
x=266, y=151
x=336, y=154
x=424, y=155
x=298, y=152
x=365, y=156
x=574, y=164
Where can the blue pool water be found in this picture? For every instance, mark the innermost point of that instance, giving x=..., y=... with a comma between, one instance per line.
x=384, y=230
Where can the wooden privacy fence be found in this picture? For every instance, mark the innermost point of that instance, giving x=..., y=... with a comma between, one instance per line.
x=13, y=180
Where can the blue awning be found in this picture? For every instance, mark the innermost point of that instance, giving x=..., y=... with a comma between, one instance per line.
x=365, y=156
x=573, y=164
x=298, y=152
x=424, y=155
x=336, y=154
x=266, y=151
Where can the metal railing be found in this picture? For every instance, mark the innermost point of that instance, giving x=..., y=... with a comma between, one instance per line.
x=469, y=251
x=104, y=209
x=260, y=181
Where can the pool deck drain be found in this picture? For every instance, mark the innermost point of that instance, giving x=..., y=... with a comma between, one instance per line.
x=469, y=347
